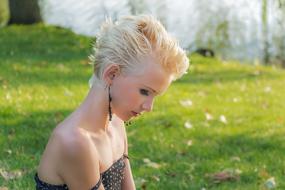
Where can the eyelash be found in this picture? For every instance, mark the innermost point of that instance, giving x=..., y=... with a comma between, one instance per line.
x=144, y=92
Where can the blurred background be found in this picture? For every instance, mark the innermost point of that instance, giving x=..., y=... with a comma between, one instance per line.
x=249, y=31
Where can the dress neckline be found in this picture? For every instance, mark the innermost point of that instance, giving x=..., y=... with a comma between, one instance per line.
x=64, y=185
x=109, y=168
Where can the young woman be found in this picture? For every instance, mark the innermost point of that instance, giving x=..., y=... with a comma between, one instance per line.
x=134, y=60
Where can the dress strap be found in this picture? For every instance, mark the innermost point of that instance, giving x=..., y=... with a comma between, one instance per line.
x=126, y=156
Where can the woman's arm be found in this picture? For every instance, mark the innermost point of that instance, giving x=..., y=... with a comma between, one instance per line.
x=128, y=181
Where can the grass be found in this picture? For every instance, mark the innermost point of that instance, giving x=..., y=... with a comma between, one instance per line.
x=44, y=77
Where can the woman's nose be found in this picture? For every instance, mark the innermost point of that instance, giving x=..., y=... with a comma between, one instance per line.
x=148, y=105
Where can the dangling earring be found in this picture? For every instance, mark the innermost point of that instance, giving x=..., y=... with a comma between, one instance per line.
x=110, y=109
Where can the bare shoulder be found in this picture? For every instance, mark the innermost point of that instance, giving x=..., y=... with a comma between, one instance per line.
x=78, y=161
x=75, y=146
x=72, y=142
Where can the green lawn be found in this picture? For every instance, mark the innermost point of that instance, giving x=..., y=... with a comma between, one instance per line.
x=234, y=116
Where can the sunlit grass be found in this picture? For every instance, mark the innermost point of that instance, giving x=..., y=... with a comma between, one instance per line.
x=44, y=76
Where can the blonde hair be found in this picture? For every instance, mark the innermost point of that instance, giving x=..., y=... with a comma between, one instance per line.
x=132, y=38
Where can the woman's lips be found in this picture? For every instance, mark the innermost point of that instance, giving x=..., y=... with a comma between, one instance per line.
x=135, y=113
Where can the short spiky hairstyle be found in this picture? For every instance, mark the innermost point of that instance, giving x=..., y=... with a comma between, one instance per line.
x=132, y=38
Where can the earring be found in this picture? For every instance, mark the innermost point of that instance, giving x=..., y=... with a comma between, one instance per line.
x=110, y=109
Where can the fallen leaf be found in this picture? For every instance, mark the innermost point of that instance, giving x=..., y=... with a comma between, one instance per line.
x=8, y=151
x=186, y=103
x=151, y=164
x=4, y=188
x=188, y=125
x=8, y=175
x=146, y=160
x=225, y=175
x=189, y=143
x=270, y=183
x=223, y=119
x=208, y=116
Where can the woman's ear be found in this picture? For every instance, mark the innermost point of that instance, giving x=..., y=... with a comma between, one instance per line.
x=110, y=72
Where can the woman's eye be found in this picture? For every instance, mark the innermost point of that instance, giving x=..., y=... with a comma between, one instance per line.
x=144, y=92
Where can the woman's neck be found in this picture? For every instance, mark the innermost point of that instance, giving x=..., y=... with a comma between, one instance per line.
x=93, y=112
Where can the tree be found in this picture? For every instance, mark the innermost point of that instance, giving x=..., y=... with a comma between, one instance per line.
x=4, y=12
x=280, y=38
x=265, y=40
x=24, y=11
x=213, y=31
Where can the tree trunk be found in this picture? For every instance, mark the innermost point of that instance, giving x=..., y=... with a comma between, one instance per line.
x=4, y=12
x=265, y=40
x=24, y=12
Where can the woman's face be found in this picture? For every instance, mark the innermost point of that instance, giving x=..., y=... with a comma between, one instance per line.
x=134, y=93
